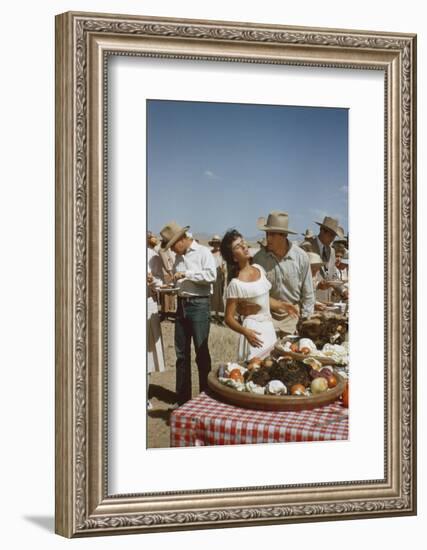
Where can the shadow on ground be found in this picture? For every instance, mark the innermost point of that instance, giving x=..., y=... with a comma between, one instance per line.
x=162, y=414
x=45, y=522
x=161, y=393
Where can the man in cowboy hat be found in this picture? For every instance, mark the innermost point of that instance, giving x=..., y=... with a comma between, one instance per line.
x=194, y=271
x=306, y=244
x=316, y=263
x=341, y=242
x=288, y=270
x=322, y=244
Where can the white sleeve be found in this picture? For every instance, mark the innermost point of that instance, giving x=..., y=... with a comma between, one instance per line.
x=232, y=291
x=207, y=272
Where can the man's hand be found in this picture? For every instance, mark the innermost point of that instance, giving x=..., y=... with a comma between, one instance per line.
x=246, y=308
x=168, y=278
x=178, y=275
x=318, y=306
x=290, y=309
x=323, y=285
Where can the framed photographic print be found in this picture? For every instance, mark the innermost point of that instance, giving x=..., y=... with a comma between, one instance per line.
x=209, y=324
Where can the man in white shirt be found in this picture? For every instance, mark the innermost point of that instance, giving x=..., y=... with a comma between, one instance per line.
x=194, y=271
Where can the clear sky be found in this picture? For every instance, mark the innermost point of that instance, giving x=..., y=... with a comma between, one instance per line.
x=217, y=165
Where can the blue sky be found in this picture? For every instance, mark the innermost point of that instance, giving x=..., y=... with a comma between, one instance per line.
x=216, y=165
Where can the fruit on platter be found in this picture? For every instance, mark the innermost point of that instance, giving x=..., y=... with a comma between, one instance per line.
x=319, y=385
x=254, y=363
x=297, y=389
x=332, y=381
x=236, y=375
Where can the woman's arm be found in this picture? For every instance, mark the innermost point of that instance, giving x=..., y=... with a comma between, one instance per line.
x=230, y=321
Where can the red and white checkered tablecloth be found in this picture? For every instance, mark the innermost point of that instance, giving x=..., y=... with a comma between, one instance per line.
x=206, y=421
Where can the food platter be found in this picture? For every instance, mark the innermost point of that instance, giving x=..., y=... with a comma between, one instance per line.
x=335, y=283
x=274, y=402
x=167, y=290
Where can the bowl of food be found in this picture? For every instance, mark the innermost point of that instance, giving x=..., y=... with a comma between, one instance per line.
x=277, y=384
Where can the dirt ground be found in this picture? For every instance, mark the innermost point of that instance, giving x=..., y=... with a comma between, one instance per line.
x=223, y=348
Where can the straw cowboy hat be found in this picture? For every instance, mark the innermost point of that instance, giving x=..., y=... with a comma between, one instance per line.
x=342, y=238
x=171, y=233
x=315, y=259
x=215, y=239
x=277, y=222
x=308, y=234
x=333, y=225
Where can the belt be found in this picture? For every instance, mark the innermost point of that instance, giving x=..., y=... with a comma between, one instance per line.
x=191, y=298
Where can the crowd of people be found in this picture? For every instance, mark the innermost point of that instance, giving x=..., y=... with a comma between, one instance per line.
x=261, y=294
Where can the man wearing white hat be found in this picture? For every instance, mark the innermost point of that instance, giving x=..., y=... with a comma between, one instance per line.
x=194, y=271
x=322, y=244
x=288, y=270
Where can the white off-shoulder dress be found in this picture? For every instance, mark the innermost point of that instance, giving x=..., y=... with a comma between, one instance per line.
x=256, y=292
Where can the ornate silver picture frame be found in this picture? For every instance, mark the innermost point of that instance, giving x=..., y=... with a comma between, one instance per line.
x=84, y=42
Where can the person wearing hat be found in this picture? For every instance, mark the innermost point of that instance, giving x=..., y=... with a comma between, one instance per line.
x=306, y=244
x=341, y=264
x=194, y=271
x=341, y=254
x=342, y=241
x=288, y=271
x=316, y=263
x=321, y=244
x=217, y=299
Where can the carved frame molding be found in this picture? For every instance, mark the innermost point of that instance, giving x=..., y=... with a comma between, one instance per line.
x=83, y=43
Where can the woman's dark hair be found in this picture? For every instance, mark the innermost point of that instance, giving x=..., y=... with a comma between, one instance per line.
x=227, y=253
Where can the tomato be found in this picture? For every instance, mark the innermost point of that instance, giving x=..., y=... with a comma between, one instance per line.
x=236, y=375
x=345, y=396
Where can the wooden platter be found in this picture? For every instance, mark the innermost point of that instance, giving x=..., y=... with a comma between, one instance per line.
x=272, y=402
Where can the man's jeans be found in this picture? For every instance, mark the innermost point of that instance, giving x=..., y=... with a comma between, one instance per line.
x=192, y=321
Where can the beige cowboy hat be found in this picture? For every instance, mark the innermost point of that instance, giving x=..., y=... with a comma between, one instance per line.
x=315, y=259
x=342, y=238
x=215, y=239
x=333, y=225
x=171, y=233
x=277, y=222
x=308, y=234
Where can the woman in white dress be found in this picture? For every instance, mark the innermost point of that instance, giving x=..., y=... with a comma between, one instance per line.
x=247, y=282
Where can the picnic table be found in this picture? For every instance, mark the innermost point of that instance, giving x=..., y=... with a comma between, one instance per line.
x=204, y=421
